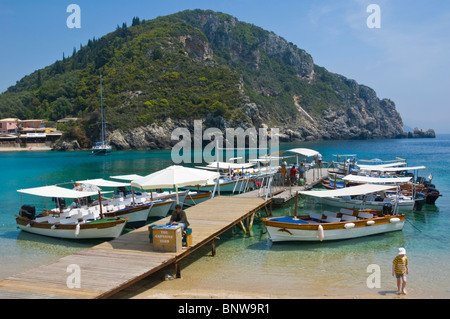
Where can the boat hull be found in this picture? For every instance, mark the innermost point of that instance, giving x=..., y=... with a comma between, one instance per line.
x=110, y=228
x=101, y=151
x=226, y=186
x=196, y=198
x=160, y=209
x=172, y=196
x=137, y=215
x=331, y=231
x=356, y=204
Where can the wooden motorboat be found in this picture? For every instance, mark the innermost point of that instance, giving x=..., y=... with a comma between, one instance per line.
x=345, y=224
x=332, y=226
x=78, y=223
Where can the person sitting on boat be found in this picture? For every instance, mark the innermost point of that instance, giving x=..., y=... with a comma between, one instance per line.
x=179, y=217
x=75, y=204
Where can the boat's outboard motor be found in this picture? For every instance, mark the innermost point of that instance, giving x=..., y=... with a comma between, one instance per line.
x=387, y=209
x=419, y=201
x=28, y=211
x=421, y=180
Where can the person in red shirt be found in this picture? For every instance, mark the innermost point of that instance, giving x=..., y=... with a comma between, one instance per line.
x=293, y=175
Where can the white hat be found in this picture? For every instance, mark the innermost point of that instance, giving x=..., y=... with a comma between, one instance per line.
x=402, y=251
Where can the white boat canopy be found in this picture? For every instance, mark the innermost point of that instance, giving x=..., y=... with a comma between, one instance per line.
x=396, y=169
x=129, y=177
x=303, y=151
x=175, y=176
x=376, y=180
x=380, y=166
x=349, y=191
x=56, y=191
x=100, y=182
x=226, y=165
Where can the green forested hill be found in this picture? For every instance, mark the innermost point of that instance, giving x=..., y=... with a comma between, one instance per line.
x=197, y=65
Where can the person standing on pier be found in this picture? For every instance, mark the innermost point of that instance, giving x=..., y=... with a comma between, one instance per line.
x=283, y=173
x=293, y=175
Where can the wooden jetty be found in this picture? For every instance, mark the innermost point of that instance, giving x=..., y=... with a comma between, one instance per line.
x=313, y=177
x=112, y=266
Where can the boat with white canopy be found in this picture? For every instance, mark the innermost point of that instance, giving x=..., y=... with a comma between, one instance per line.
x=74, y=222
x=344, y=224
x=344, y=197
x=162, y=202
x=421, y=185
x=175, y=176
x=122, y=204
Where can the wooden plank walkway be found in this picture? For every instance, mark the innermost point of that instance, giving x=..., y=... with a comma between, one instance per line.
x=112, y=266
x=313, y=177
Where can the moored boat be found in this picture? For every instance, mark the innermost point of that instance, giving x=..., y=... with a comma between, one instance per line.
x=103, y=147
x=77, y=223
x=320, y=227
x=95, y=229
x=194, y=198
x=345, y=224
x=160, y=208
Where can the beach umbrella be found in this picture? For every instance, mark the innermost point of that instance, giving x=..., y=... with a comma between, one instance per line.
x=174, y=176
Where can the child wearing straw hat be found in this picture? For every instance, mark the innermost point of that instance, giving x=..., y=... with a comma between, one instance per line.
x=400, y=270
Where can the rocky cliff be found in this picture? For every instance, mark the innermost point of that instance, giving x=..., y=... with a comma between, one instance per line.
x=280, y=87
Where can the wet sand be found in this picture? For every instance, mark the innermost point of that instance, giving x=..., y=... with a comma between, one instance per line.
x=205, y=279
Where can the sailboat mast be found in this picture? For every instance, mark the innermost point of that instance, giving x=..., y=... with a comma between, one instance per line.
x=103, y=115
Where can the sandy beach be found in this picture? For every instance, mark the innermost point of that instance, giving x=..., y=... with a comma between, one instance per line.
x=209, y=278
x=25, y=149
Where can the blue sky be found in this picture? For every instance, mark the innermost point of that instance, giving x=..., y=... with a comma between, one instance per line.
x=405, y=60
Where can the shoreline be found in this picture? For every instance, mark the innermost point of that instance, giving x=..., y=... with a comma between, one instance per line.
x=25, y=149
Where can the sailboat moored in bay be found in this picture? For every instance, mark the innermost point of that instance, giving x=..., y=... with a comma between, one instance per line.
x=102, y=148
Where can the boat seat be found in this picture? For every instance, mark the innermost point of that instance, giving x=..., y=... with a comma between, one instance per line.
x=346, y=211
x=41, y=219
x=330, y=219
x=365, y=215
x=348, y=217
x=330, y=214
x=315, y=216
x=68, y=221
x=109, y=208
x=94, y=211
x=90, y=216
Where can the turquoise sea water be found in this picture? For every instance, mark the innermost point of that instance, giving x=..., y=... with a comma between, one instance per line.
x=328, y=268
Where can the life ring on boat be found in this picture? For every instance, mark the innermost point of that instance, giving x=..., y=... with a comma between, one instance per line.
x=370, y=222
x=320, y=232
x=349, y=225
x=394, y=220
